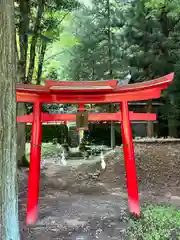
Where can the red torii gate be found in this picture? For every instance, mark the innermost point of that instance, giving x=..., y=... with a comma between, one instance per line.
x=83, y=93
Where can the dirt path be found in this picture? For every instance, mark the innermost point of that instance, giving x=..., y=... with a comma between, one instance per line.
x=86, y=203
x=79, y=217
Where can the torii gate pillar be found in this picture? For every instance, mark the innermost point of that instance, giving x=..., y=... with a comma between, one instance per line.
x=34, y=170
x=129, y=160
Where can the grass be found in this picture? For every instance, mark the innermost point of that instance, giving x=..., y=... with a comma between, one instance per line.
x=48, y=150
x=156, y=223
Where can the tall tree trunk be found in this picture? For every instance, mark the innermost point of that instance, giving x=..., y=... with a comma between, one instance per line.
x=109, y=39
x=172, y=118
x=24, y=6
x=40, y=11
x=8, y=149
x=113, y=141
x=21, y=138
x=110, y=67
x=93, y=69
x=41, y=60
x=166, y=28
x=150, y=127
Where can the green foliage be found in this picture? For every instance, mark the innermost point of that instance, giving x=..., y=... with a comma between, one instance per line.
x=48, y=150
x=157, y=223
x=58, y=53
x=39, y=23
x=49, y=133
x=53, y=32
x=140, y=40
x=144, y=38
x=90, y=60
x=99, y=134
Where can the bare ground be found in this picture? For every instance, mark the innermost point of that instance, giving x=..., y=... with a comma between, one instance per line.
x=88, y=203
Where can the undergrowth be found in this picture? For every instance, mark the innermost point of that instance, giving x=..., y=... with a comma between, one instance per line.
x=48, y=150
x=156, y=223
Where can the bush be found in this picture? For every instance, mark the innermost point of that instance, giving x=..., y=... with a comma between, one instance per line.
x=49, y=133
x=101, y=134
x=97, y=134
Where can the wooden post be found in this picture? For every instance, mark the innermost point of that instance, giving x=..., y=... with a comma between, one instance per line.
x=113, y=138
x=34, y=170
x=81, y=108
x=150, y=125
x=129, y=159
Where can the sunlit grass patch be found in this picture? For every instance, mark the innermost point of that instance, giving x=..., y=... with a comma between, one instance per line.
x=156, y=223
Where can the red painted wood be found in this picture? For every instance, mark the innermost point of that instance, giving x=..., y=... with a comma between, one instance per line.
x=90, y=98
x=32, y=88
x=27, y=118
x=82, y=93
x=111, y=83
x=161, y=82
x=80, y=89
x=34, y=170
x=129, y=158
x=132, y=92
x=81, y=107
x=46, y=117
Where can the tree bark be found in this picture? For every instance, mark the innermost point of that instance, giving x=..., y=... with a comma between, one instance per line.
x=171, y=116
x=41, y=61
x=24, y=7
x=8, y=148
x=110, y=68
x=21, y=138
x=150, y=127
x=166, y=28
x=109, y=39
x=113, y=140
x=40, y=11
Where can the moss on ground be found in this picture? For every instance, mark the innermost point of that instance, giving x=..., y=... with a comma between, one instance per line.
x=156, y=223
